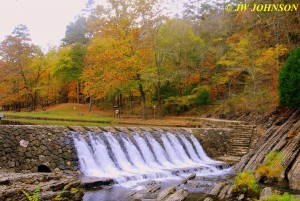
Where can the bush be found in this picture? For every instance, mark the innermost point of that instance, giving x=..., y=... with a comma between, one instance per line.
x=284, y=197
x=166, y=91
x=188, y=90
x=179, y=104
x=203, y=98
x=271, y=167
x=289, y=81
x=245, y=182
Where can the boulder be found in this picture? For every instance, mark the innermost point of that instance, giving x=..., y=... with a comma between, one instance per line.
x=166, y=192
x=208, y=199
x=178, y=195
x=185, y=180
x=265, y=193
x=153, y=189
x=217, y=188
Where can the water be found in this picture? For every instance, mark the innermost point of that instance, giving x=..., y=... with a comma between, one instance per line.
x=135, y=159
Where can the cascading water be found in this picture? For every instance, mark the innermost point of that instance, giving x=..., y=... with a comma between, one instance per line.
x=141, y=156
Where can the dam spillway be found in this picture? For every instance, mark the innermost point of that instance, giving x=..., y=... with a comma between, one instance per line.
x=132, y=156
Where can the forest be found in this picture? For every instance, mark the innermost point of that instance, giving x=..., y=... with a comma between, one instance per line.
x=136, y=55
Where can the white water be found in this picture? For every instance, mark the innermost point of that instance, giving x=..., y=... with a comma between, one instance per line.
x=203, y=156
x=141, y=157
x=146, y=152
x=159, y=152
x=179, y=149
x=101, y=155
x=190, y=149
x=120, y=155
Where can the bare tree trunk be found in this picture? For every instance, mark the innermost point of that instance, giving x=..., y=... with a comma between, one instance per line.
x=130, y=103
x=143, y=101
x=90, y=104
x=77, y=93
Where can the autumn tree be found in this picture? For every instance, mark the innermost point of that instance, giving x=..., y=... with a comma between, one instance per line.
x=16, y=53
x=120, y=48
x=176, y=51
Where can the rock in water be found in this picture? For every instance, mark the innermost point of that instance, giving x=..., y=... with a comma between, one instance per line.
x=184, y=181
x=164, y=193
x=178, y=196
x=217, y=188
x=153, y=189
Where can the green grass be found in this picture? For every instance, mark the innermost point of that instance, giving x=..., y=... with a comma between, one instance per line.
x=66, y=112
x=56, y=123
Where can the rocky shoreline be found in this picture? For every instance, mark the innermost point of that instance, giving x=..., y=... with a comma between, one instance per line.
x=53, y=186
x=282, y=135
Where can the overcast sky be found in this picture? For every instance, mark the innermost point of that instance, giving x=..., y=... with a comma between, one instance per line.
x=46, y=19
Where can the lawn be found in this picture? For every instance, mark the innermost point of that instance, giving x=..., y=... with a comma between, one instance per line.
x=68, y=111
x=53, y=122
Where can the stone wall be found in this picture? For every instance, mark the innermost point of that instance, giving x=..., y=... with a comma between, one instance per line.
x=28, y=147
x=227, y=143
x=215, y=141
x=25, y=147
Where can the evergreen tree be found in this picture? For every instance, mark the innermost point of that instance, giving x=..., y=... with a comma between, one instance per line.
x=289, y=81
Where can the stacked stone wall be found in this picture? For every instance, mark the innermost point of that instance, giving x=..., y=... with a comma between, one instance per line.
x=26, y=148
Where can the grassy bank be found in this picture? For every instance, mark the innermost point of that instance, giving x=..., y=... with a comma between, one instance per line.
x=53, y=122
x=64, y=112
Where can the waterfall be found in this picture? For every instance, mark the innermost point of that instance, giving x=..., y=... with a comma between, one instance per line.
x=190, y=149
x=142, y=155
x=203, y=156
x=146, y=152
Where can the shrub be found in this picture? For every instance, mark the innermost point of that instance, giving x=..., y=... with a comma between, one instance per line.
x=289, y=81
x=203, y=98
x=245, y=182
x=166, y=91
x=271, y=167
x=284, y=197
x=188, y=90
x=179, y=104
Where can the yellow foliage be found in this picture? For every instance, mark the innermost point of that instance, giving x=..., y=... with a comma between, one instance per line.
x=245, y=181
x=271, y=167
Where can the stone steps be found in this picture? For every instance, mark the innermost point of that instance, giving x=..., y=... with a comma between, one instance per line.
x=241, y=139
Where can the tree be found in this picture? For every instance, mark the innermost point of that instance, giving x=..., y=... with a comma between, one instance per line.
x=120, y=48
x=176, y=51
x=76, y=32
x=289, y=81
x=70, y=65
x=16, y=53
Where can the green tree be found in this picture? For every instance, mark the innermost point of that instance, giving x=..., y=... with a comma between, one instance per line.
x=70, y=65
x=176, y=50
x=289, y=81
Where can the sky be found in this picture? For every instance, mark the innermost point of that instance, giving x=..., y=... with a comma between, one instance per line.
x=46, y=19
